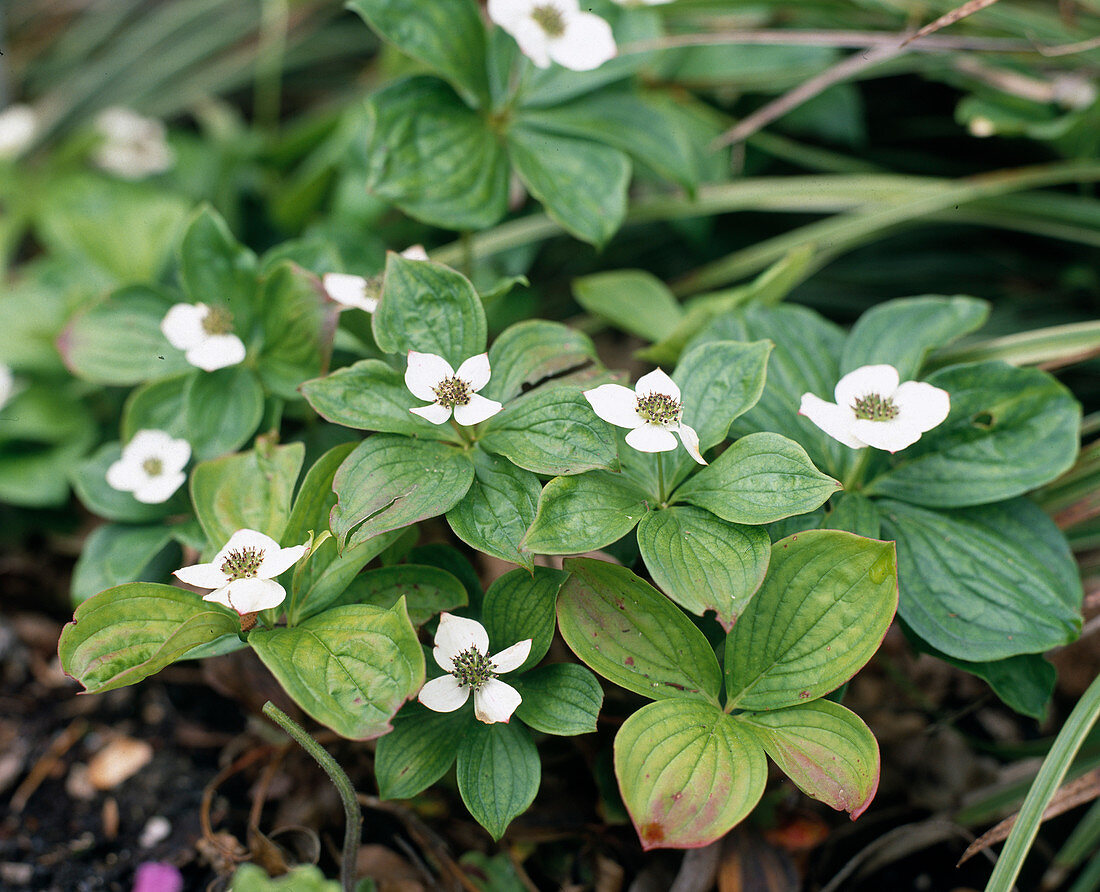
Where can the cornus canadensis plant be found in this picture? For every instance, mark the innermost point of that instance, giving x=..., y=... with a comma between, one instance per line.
x=556, y=31
x=430, y=377
x=653, y=412
x=132, y=146
x=873, y=409
x=206, y=335
x=462, y=651
x=243, y=572
x=151, y=466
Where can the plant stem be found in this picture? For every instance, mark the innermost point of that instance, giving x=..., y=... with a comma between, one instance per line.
x=661, y=477
x=854, y=477
x=353, y=828
x=1055, y=766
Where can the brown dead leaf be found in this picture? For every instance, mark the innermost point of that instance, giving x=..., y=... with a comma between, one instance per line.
x=949, y=18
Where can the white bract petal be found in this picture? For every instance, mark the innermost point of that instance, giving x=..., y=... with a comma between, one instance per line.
x=349, y=290
x=182, y=325
x=18, y=128
x=690, y=439
x=512, y=657
x=651, y=438
x=555, y=30
x=457, y=634
x=444, y=694
x=133, y=147
x=203, y=332
x=243, y=572
x=873, y=409
x=425, y=372
x=151, y=466
x=477, y=410
x=415, y=252
x=216, y=352
x=615, y=404
x=495, y=701
x=7, y=385
x=434, y=413
x=475, y=371
x=657, y=382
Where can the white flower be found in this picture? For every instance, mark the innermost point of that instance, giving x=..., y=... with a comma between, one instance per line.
x=652, y=410
x=415, y=252
x=642, y=2
x=206, y=333
x=351, y=291
x=462, y=650
x=18, y=127
x=7, y=385
x=133, y=146
x=151, y=466
x=873, y=409
x=243, y=573
x=556, y=31
x=431, y=377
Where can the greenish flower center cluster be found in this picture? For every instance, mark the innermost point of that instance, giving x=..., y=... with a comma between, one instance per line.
x=154, y=467
x=550, y=19
x=659, y=408
x=242, y=563
x=472, y=668
x=873, y=407
x=218, y=321
x=452, y=392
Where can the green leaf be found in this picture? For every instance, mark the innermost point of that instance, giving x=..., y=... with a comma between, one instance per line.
x=372, y=396
x=292, y=318
x=804, y=360
x=251, y=490
x=581, y=184
x=429, y=308
x=647, y=125
x=499, y=507
x=119, y=341
x=585, y=512
x=427, y=590
x=551, y=431
x=720, y=381
x=857, y=514
x=132, y=631
x=821, y=613
x=632, y=300
x=824, y=748
x=498, y=773
x=350, y=668
x=521, y=605
x=215, y=268
x=448, y=39
x=325, y=573
x=688, y=773
x=985, y=583
x=435, y=158
x=390, y=482
x=760, y=479
x=1009, y=431
x=704, y=563
x=629, y=633
x=902, y=332
x=531, y=351
x=304, y=878
x=418, y=751
x=94, y=219
x=90, y=482
x=114, y=554
x=216, y=412
x=560, y=698
x=315, y=497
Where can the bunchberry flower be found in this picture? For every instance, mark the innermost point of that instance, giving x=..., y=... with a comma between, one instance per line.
x=462, y=650
x=243, y=573
x=430, y=377
x=873, y=409
x=18, y=128
x=151, y=466
x=133, y=146
x=205, y=333
x=652, y=410
x=358, y=292
x=556, y=31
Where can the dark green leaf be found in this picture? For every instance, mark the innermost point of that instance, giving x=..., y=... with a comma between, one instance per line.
x=418, y=751
x=315, y=497
x=822, y=612
x=498, y=773
x=530, y=351
x=114, y=554
x=293, y=317
x=520, y=605
x=585, y=512
x=632, y=300
x=560, y=698
x=629, y=633
x=215, y=268
x=704, y=563
x=350, y=668
x=427, y=590
x=130, y=632
x=856, y=514
x=390, y=482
